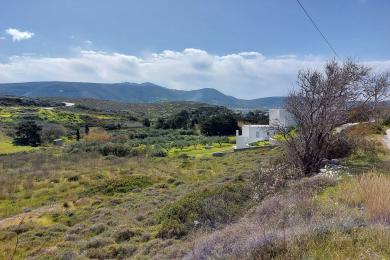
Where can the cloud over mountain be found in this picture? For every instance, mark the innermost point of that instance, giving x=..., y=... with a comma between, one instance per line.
x=245, y=74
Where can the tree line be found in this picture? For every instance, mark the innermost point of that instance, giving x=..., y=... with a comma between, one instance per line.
x=211, y=121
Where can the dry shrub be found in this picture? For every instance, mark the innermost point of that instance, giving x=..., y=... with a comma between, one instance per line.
x=97, y=135
x=125, y=234
x=367, y=148
x=341, y=146
x=275, y=225
x=375, y=193
x=359, y=114
x=269, y=180
x=364, y=129
x=9, y=185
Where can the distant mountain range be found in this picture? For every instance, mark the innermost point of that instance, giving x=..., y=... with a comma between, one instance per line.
x=134, y=93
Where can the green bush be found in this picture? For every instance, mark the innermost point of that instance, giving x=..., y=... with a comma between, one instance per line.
x=136, y=151
x=124, y=185
x=28, y=133
x=119, y=150
x=159, y=153
x=207, y=208
x=73, y=178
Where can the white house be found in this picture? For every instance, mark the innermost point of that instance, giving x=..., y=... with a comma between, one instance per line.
x=281, y=118
x=253, y=133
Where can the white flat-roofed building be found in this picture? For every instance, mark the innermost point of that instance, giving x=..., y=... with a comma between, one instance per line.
x=251, y=134
x=281, y=118
x=278, y=118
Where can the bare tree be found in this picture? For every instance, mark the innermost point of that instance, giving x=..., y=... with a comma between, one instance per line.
x=375, y=91
x=17, y=239
x=319, y=106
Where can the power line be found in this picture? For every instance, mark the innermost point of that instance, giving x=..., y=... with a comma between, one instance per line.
x=318, y=29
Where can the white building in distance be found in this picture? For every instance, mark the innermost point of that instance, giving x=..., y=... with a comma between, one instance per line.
x=278, y=118
x=281, y=118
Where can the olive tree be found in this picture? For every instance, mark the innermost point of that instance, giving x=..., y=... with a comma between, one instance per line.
x=28, y=133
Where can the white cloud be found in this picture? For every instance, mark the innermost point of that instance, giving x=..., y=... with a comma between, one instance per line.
x=19, y=35
x=244, y=75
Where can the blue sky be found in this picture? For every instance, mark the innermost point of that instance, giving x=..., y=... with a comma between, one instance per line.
x=245, y=48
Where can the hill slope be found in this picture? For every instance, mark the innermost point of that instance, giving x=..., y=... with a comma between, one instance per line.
x=133, y=93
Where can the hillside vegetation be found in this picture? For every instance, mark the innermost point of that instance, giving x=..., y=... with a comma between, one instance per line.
x=161, y=181
x=61, y=203
x=133, y=93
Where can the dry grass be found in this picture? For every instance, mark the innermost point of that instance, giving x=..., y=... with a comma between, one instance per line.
x=374, y=190
x=97, y=135
x=365, y=129
x=271, y=228
x=299, y=224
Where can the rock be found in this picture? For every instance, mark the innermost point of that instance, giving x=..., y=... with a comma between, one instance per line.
x=69, y=255
x=218, y=154
x=335, y=161
x=58, y=142
x=26, y=210
x=325, y=161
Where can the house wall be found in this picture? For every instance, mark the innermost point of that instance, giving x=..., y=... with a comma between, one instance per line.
x=254, y=133
x=251, y=134
x=281, y=118
x=258, y=133
x=245, y=130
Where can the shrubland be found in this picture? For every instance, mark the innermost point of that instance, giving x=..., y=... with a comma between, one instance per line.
x=60, y=203
x=123, y=187
x=118, y=189
x=86, y=204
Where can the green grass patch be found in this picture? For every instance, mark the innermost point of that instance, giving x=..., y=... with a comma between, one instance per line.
x=260, y=143
x=37, y=197
x=9, y=114
x=345, y=192
x=8, y=147
x=200, y=150
x=59, y=116
x=105, y=117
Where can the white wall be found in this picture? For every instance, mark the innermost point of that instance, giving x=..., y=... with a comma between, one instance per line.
x=251, y=134
x=281, y=118
x=245, y=130
x=254, y=133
